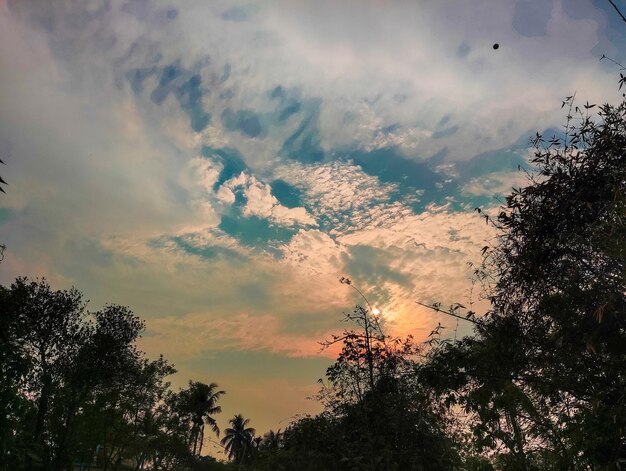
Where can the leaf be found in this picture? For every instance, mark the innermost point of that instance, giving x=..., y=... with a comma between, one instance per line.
x=599, y=312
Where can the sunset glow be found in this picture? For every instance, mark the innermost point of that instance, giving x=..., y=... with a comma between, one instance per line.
x=218, y=166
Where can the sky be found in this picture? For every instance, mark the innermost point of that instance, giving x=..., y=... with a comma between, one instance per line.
x=217, y=166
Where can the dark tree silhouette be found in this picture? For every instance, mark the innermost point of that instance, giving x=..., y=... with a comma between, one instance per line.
x=238, y=439
x=545, y=373
x=199, y=402
x=75, y=389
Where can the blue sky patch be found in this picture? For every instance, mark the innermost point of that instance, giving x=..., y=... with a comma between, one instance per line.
x=253, y=231
x=410, y=175
x=531, y=17
x=463, y=50
x=189, y=95
x=372, y=265
x=184, y=84
x=490, y=162
x=189, y=245
x=231, y=160
x=234, y=14
x=286, y=194
x=290, y=103
x=6, y=214
x=245, y=121
x=136, y=78
x=445, y=132
x=304, y=145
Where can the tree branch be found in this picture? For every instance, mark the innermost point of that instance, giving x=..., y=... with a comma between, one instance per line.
x=450, y=313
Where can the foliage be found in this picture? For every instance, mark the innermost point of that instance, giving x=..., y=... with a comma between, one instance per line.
x=238, y=440
x=269, y=451
x=377, y=417
x=75, y=389
x=545, y=373
x=198, y=405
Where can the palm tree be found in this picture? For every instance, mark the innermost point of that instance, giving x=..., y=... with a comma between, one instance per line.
x=199, y=402
x=272, y=441
x=238, y=438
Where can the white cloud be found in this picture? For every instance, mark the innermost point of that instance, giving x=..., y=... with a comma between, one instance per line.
x=315, y=252
x=494, y=184
x=340, y=192
x=260, y=202
x=425, y=255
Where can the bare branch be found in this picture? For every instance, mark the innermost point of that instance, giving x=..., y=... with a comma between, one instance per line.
x=450, y=313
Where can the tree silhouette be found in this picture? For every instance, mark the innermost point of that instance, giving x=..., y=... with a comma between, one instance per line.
x=199, y=402
x=377, y=415
x=272, y=441
x=76, y=391
x=545, y=373
x=238, y=439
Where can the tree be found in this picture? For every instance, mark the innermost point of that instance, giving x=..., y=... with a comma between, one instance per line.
x=238, y=439
x=272, y=441
x=545, y=373
x=125, y=421
x=199, y=403
x=363, y=359
x=377, y=416
x=76, y=391
x=47, y=332
x=2, y=246
x=73, y=382
x=15, y=409
x=106, y=365
x=268, y=449
x=312, y=443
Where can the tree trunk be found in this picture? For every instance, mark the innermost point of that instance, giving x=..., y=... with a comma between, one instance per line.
x=201, y=439
x=519, y=441
x=42, y=412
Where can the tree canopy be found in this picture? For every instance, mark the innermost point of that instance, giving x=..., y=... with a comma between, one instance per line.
x=544, y=376
x=74, y=388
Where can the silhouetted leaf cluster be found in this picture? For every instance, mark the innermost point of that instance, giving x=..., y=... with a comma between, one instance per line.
x=543, y=378
x=75, y=390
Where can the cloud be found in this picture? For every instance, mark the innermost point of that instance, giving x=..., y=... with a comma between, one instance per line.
x=495, y=184
x=314, y=252
x=260, y=202
x=201, y=332
x=217, y=166
x=341, y=196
